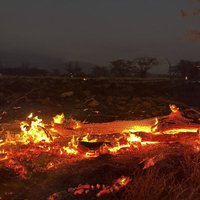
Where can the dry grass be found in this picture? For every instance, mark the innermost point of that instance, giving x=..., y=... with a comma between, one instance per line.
x=174, y=178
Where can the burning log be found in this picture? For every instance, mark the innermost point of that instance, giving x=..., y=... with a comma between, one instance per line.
x=107, y=128
x=173, y=123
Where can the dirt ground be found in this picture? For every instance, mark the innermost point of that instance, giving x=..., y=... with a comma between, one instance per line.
x=94, y=100
x=104, y=100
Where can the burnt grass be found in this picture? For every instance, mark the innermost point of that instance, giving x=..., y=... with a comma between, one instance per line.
x=177, y=176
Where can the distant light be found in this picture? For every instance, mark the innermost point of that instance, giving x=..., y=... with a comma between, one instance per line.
x=186, y=78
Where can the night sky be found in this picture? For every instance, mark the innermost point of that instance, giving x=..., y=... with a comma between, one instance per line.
x=99, y=31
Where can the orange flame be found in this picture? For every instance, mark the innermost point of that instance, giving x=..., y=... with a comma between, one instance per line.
x=72, y=147
x=87, y=139
x=134, y=138
x=3, y=155
x=33, y=130
x=59, y=119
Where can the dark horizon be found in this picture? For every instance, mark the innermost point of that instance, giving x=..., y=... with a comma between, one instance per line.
x=99, y=32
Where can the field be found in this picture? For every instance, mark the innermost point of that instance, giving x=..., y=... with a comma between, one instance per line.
x=166, y=170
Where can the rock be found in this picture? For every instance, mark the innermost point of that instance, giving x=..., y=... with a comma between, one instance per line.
x=92, y=103
x=87, y=93
x=67, y=94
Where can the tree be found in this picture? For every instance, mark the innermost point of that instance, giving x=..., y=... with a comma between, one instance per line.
x=188, y=69
x=122, y=68
x=144, y=64
x=118, y=68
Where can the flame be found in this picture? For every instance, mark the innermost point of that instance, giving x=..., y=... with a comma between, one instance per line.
x=59, y=119
x=34, y=130
x=134, y=138
x=70, y=150
x=76, y=124
x=174, y=108
x=86, y=139
x=131, y=141
x=118, y=147
x=72, y=147
x=123, y=180
x=30, y=116
x=140, y=128
x=143, y=128
x=3, y=155
x=2, y=142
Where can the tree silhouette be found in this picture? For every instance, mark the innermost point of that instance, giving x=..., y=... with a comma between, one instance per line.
x=188, y=69
x=144, y=64
x=122, y=68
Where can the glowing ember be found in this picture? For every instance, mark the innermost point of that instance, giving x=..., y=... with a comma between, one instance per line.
x=131, y=141
x=70, y=150
x=93, y=154
x=143, y=128
x=3, y=155
x=181, y=130
x=2, y=142
x=100, y=190
x=116, y=186
x=76, y=124
x=72, y=124
x=140, y=128
x=118, y=147
x=149, y=143
x=150, y=162
x=173, y=108
x=87, y=139
x=59, y=119
x=123, y=180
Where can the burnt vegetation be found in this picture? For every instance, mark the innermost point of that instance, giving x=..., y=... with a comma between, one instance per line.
x=167, y=170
